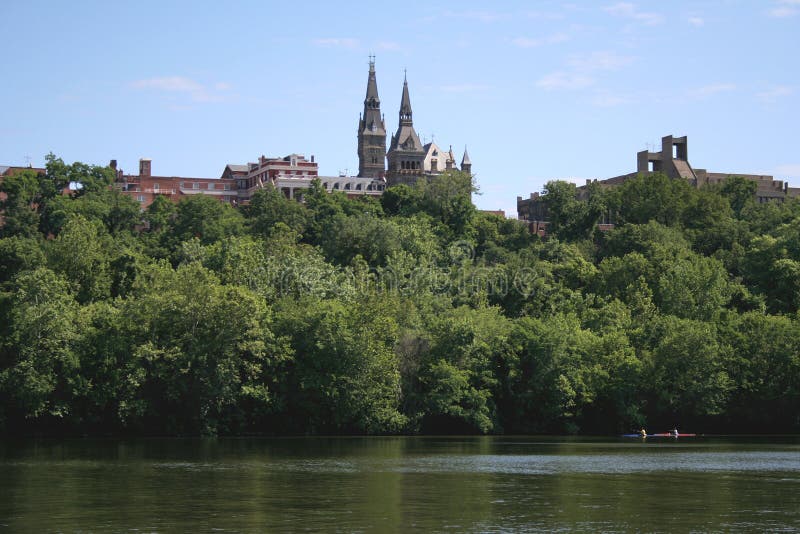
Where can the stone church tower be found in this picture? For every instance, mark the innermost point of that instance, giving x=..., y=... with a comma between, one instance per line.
x=406, y=153
x=371, y=132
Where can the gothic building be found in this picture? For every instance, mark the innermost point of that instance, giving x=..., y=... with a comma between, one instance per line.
x=408, y=158
x=371, y=132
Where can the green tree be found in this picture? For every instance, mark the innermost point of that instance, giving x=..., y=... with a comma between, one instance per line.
x=268, y=206
x=38, y=364
x=81, y=252
x=204, y=357
x=20, y=210
x=345, y=375
x=207, y=219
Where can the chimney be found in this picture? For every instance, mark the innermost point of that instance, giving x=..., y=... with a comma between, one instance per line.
x=144, y=167
x=312, y=158
x=113, y=164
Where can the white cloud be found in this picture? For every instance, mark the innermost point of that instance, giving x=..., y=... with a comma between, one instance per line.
x=337, y=42
x=782, y=12
x=712, y=89
x=696, y=21
x=194, y=90
x=564, y=80
x=773, y=94
x=527, y=42
x=581, y=70
x=628, y=10
x=784, y=8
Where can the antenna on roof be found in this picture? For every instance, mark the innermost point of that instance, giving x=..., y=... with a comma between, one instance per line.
x=28, y=161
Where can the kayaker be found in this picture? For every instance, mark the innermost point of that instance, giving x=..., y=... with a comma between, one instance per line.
x=643, y=433
x=674, y=432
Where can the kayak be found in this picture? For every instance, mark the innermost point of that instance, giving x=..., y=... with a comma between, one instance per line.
x=662, y=435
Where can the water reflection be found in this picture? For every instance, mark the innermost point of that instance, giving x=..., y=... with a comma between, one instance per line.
x=399, y=485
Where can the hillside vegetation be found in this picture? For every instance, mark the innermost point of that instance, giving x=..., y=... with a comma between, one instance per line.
x=409, y=313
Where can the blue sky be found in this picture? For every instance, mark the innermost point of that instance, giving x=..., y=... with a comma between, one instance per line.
x=535, y=90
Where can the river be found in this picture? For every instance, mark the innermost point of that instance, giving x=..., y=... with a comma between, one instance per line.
x=400, y=484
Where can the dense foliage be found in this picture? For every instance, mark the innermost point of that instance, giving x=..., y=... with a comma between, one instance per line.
x=409, y=313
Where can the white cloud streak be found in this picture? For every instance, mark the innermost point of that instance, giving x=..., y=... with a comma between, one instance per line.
x=711, y=90
x=696, y=21
x=564, y=80
x=629, y=11
x=194, y=90
x=775, y=93
x=784, y=9
x=528, y=42
x=582, y=70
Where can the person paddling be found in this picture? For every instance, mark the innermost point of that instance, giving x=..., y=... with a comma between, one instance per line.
x=674, y=432
x=643, y=433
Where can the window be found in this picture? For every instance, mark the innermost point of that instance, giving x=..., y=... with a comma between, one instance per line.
x=227, y=187
x=140, y=198
x=195, y=185
x=210, y=186
x=155, y=187
x=183, y=184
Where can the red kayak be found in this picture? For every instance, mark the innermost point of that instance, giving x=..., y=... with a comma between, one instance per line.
x=663, y=435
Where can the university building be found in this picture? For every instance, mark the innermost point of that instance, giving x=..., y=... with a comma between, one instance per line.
x=408, y=161
x=408, y=158
x=291, y=175
x=673, y=161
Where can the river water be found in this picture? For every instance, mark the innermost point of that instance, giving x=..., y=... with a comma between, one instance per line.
x=401, y=484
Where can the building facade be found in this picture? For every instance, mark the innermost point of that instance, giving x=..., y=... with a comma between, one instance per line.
x=371, y=132
x=291, y=175
x=673, y=161
x=407, y=159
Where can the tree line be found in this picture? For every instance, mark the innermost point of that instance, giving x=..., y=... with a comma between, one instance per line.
x=408, y=313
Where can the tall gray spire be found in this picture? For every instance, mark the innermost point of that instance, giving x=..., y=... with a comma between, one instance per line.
x=371, y=131
x=466, y=164
x=406, y=153
x=405, y=105
x=372, y=103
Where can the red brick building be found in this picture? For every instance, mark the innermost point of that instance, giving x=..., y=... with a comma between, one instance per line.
x=290, y=174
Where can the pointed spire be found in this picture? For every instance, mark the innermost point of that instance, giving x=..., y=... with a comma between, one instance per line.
x=405, y=104
x=371, y=101
x=371, y=130
x=465, y=159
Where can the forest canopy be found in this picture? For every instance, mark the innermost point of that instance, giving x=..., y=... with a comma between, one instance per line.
x=411, y=313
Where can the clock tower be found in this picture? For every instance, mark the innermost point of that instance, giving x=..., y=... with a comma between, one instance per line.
x=371, y=132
